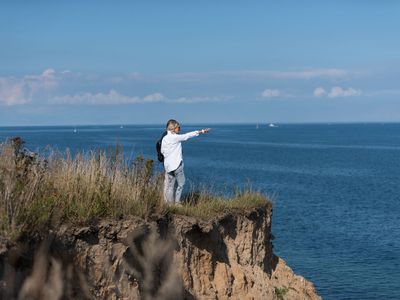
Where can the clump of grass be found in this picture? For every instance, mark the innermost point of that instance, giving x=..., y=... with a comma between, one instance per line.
x=281, y=292
x=206, y=206
x=37, y=192
x=95, y=185
x=40, y=192
x=20, y=184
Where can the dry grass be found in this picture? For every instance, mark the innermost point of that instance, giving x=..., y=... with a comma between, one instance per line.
x=206, y=206
x=37, y=193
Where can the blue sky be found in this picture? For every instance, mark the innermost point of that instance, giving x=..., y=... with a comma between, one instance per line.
x=138, y=62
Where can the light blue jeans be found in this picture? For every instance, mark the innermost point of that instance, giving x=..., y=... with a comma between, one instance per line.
x=172, y=195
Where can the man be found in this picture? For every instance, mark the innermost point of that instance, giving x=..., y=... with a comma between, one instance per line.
x=171, y=148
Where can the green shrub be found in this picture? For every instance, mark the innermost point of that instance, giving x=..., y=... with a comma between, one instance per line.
x=281, y=292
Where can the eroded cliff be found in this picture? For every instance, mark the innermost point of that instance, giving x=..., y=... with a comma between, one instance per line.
x=164, y=257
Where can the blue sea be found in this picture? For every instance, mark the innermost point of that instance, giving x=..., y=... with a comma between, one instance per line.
x=335, y=189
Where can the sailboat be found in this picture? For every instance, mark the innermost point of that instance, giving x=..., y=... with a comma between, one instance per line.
x=272, y=125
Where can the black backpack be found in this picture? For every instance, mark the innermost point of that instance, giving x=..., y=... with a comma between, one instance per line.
x=160, y=156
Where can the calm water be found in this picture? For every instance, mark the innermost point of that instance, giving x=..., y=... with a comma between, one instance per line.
x=335, y=188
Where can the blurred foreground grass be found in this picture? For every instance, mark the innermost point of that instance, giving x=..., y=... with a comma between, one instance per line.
x=41, y=192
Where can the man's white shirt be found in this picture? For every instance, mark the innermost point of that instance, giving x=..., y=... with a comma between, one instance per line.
x=171, y=148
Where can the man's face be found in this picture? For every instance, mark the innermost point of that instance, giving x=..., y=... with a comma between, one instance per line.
x=177, y=129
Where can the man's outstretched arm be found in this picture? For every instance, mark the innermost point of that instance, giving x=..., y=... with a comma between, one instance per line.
x=186, y=136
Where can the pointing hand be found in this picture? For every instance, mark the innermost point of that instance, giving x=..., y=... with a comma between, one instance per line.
x=205, y=130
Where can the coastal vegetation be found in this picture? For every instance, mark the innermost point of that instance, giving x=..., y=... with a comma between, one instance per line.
x=280, y=292
x=38, y=192
x=94, y=225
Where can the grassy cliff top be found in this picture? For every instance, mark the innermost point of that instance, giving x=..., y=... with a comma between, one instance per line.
x=38, y=192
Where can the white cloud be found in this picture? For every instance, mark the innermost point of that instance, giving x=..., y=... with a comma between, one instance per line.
x=110, y=98
x=305, y=74
x=17, y=91
x=269, y=93
x=46, y=81
x=12, y=92
x=49, y=73
x=319, y=92
x=113, y=98
x=338, y=91
x=312, y=73
x=156, y=97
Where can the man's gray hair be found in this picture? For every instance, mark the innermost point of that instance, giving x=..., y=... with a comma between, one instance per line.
x=172, y=124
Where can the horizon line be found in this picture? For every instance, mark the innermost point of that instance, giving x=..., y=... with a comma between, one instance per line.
x=210, y=123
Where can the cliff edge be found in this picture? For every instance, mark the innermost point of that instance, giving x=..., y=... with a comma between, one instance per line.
x=168, y=256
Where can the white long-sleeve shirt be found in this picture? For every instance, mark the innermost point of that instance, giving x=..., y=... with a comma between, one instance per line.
x=171, y=148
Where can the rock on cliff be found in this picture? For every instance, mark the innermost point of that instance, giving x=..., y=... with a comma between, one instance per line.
x=169, y=257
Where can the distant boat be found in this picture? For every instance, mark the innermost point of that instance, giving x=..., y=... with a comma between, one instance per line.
x=257, y=126
x=75, y=130
x=272, y=125
x=121, y=127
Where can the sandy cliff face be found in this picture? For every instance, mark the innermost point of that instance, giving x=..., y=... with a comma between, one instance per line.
x=233, y=258
x=176, y=257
